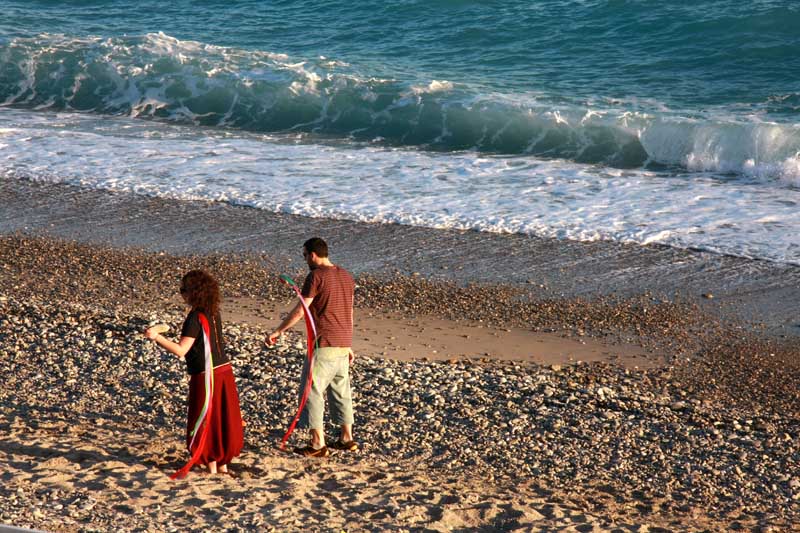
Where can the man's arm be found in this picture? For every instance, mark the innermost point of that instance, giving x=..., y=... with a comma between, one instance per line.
x=291, y=319
x=352, y=354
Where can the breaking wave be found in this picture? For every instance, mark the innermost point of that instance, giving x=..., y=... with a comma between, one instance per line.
x=156, y=76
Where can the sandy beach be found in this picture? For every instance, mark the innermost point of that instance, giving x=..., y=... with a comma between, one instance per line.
x=480, y=406
x=573, y=230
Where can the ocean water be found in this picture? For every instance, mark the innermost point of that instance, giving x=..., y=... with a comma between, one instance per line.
x=622, y=120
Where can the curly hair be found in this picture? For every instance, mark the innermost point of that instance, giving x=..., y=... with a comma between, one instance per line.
x=201, y=291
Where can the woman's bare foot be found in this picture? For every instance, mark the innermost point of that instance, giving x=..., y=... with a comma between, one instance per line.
x=223, y=469
x=212, y=467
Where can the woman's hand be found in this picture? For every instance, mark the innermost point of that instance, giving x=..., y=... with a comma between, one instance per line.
x=154, y=331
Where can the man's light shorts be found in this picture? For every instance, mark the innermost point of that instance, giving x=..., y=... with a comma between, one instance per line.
x=331, y=376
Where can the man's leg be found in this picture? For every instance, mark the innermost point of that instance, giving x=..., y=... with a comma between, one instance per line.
x=315, y=410
x=317, y=438
x=312, y=416
x=340, y=401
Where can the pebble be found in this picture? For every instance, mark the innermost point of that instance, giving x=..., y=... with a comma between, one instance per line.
x=541, y=420
x=562, y=425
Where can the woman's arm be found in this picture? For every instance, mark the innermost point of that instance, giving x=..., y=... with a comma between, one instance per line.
x=178, y=348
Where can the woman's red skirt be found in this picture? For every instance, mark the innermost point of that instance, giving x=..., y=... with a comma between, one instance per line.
x=226, y=434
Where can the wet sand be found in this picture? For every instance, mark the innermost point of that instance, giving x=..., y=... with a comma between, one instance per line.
x=395, y=336
x=761, y=293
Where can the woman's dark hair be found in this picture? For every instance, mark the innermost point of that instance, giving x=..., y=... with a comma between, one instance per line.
x=316, y=245
x=201, y=291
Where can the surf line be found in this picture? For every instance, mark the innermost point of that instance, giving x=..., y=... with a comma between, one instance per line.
x=311, y=333
x=203, y=420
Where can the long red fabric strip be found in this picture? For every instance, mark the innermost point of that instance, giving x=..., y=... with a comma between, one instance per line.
x=311, y=333
x=201, y=427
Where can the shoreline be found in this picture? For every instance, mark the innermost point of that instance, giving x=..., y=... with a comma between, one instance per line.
x=758, y=294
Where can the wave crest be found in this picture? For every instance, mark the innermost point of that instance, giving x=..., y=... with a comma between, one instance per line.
x=159, y=77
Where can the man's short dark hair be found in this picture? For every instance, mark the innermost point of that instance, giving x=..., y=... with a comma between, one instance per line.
x=316, y=245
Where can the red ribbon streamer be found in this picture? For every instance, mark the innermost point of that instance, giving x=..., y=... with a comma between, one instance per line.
x=311, y=333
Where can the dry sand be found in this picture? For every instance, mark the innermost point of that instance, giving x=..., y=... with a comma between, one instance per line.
x=90, y=477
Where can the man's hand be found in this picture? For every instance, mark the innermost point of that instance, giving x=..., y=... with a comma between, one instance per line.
x=272, y=338
x=351, y=356
x=291, y=319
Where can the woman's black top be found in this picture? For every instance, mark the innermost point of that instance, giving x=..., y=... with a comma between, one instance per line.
x=196, y=356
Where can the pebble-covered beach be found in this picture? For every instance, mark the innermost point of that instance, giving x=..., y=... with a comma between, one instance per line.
x=706, y=442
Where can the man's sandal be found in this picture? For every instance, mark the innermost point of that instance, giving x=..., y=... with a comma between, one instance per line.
x=309, y=451
x=349, y=446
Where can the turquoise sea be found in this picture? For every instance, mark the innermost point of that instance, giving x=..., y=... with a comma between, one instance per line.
x=636, y=121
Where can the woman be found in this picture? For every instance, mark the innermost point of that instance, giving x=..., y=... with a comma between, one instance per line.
x=214, y=434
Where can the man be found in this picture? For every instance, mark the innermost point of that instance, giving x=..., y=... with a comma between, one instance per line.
x=328, y=293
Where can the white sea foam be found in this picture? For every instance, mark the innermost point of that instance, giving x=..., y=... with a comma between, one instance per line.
x=435, y=86
x=551, y=198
